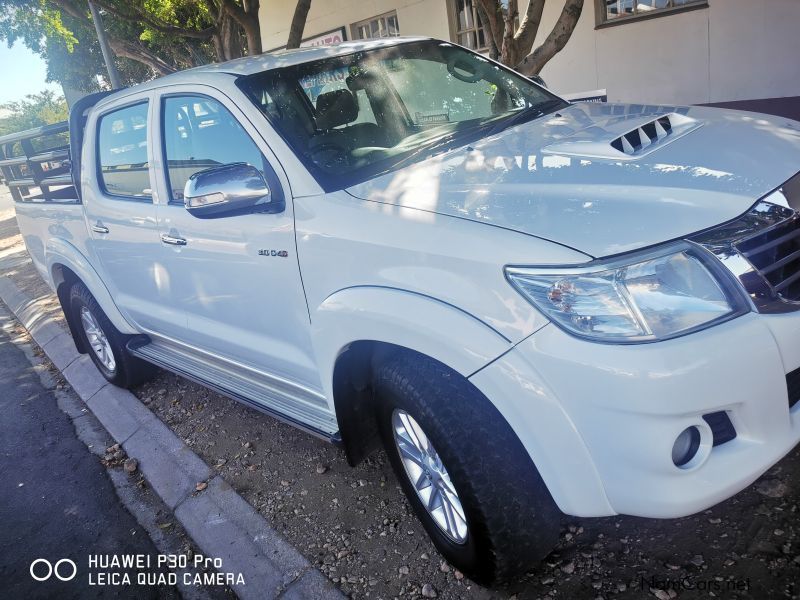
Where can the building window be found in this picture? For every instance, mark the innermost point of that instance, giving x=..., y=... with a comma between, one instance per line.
x=382, y=26
x=468, y=26
x=610, y=11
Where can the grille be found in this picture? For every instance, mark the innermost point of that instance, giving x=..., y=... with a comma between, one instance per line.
x=775, y=253
x=721, y=427
x=793, y=387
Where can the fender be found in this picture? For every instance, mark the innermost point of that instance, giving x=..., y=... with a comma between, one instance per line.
x=60, y=251
x=403, y=318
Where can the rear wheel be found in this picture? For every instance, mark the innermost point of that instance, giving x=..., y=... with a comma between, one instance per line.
x=103, y=342
x=464, y=471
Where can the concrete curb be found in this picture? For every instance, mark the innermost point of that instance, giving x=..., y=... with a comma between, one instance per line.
x=221, y=523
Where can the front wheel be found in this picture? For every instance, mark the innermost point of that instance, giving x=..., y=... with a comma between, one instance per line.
x=103, y=342
x=464, y=471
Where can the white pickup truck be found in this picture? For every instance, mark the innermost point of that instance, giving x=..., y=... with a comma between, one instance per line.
x=539, y=307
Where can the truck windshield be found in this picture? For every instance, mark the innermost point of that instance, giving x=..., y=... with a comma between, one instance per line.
x=352, y=117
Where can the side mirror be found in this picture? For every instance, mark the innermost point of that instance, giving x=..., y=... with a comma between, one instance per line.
x=234, y=189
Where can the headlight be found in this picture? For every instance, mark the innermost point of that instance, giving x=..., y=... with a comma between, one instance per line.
x=639, y=298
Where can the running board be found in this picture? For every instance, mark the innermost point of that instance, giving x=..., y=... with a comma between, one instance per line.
x=292, y=405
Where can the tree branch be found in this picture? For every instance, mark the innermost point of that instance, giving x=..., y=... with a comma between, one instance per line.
x=526, y=34
x=558, y=38
x=120, y=47
x=137, y=15
x=298, y=23
x=493, y=11
x=140, y=54
x=507, y=50
x=247, y=17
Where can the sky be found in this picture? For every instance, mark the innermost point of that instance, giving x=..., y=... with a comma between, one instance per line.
x=23, y=73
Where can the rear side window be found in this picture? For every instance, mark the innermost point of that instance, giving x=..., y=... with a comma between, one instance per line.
x=199, y=133
x=122, y=152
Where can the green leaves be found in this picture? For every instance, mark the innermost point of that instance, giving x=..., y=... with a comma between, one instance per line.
x=35, y=110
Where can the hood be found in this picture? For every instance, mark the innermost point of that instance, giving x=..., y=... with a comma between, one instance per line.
x=605, y=178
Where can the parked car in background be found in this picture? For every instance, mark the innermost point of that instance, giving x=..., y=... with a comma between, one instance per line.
x=537, y=307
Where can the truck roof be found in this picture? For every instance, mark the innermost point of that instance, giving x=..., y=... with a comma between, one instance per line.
x=284, y=58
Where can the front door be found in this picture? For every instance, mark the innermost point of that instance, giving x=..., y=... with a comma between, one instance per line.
x=236, y=277
x=121, y=215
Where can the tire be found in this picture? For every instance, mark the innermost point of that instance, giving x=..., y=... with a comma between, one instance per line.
x=512, y=521
x=106, y=349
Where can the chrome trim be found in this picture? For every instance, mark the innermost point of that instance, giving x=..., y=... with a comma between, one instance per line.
x=172, y=240
x=773, y=211
x=99, y=228
x=265, y=391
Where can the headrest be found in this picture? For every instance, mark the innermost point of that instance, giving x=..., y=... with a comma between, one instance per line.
x=336, y=107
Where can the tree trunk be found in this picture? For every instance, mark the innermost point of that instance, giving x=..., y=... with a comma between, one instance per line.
x=298, y=23
x=247, y=17
x=231, y=38
x=558, y=38
x=494, y=52
x=508, y=55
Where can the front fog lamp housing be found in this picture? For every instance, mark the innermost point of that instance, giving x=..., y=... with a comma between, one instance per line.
x=638, y=298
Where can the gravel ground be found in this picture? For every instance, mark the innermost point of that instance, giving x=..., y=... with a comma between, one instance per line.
x=355, y=525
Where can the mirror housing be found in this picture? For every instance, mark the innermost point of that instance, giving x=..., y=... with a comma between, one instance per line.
x=228, y=190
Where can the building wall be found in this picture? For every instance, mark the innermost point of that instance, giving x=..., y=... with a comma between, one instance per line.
x=732, y=50
x=416, y=17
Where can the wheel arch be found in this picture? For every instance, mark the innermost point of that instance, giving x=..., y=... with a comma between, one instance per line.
x=356, y=329
x=66, y=265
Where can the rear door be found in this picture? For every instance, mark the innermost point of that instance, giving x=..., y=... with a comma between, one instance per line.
x=121, y=214
x=236, y=277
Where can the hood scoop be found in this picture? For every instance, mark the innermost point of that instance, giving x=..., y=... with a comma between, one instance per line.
x=632, y=144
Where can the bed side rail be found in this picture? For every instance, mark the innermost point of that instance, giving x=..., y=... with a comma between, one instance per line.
x=35, y=164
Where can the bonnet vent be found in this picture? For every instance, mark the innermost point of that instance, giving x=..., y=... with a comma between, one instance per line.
x=641, y=138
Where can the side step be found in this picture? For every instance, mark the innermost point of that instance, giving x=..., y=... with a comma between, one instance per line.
x=278, y=398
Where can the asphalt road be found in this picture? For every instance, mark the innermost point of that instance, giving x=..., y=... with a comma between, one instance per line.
x=56, y=500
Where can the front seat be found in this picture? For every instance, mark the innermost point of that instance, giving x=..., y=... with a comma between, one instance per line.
x=340, y=107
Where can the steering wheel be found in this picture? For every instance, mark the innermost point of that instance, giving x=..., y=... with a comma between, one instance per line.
x=329, y=155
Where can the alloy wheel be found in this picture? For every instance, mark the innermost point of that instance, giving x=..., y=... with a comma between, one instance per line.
x=428, y=475
x=97, y=339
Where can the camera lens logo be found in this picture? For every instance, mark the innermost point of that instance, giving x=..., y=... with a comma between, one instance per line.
x=42, y=569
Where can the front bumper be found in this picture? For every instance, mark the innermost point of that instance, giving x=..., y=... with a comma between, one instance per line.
x=600, y=420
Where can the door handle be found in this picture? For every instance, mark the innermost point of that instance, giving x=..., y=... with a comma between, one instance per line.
x=98, y=228
x=173, y=241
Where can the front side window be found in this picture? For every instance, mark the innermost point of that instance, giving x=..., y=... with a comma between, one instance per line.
x=354, y=116
x=122, y=152
x=199, y=133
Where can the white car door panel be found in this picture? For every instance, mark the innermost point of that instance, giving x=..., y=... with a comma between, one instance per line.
x=236, y=277
x=121, y=216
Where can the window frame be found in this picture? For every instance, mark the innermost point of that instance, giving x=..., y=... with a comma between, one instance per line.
x=354, y=27
x=452, y=17
x=148, y=139
x=271, y=178
x=601, y=20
